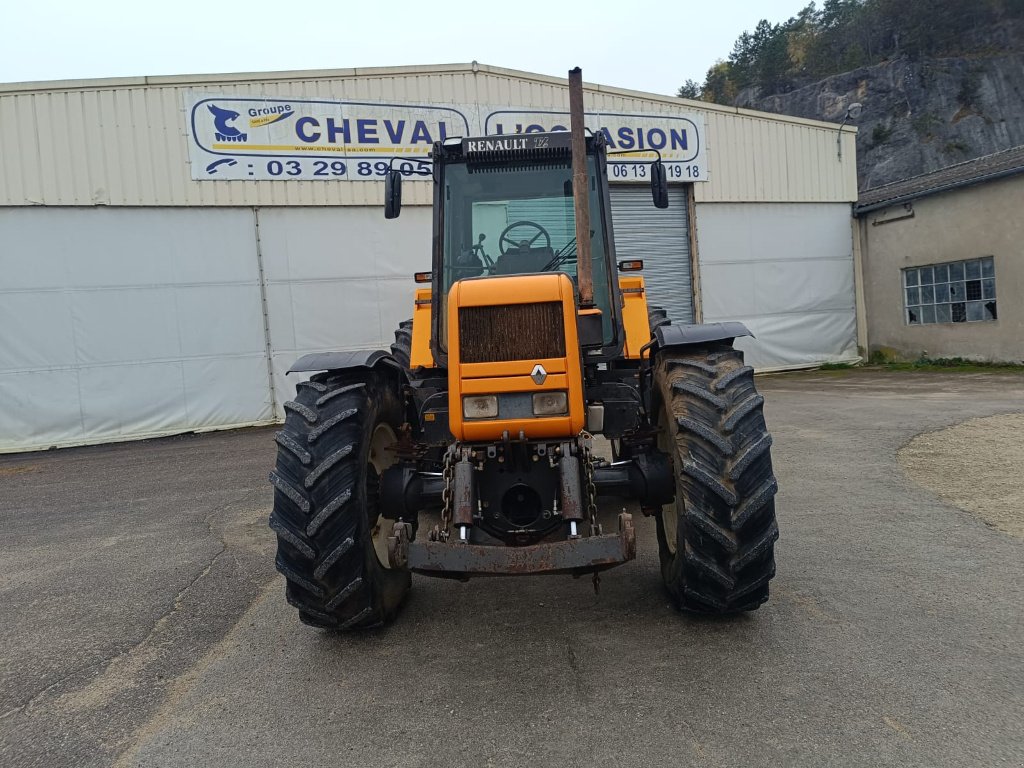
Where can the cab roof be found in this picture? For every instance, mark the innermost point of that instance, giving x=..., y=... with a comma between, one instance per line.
x=548, y=145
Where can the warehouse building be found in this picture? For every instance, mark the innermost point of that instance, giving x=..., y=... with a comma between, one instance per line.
x=170, y=245
x=943, y=261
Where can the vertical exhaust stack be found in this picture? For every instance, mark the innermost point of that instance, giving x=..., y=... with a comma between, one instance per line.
x=580, y=190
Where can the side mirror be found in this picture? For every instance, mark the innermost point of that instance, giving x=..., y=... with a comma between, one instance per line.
x=392, y=194
x=659, y=184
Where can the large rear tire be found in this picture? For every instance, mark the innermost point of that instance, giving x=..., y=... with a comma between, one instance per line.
x=339, y=435
x=717, y=540
x=657, y=317
x=401, y=348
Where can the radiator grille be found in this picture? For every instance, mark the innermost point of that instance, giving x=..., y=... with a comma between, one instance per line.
x=511, y=332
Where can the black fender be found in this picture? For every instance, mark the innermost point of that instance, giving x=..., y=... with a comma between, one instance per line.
x=703, y=333
x=679, y=337
x=334, y=361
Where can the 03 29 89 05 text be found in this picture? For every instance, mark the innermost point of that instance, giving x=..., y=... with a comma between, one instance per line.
x=312, y=168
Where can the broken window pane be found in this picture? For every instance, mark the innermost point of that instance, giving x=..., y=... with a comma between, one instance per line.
x=954, y=292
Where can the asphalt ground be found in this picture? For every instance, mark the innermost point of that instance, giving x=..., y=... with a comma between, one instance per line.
x=142, y=624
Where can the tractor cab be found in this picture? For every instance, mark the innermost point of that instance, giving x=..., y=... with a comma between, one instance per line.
x=505, y=205
x=511, y=212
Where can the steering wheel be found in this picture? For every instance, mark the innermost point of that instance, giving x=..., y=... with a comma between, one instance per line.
x=515, y=245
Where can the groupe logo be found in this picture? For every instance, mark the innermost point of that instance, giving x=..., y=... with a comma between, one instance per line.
x=278, y=109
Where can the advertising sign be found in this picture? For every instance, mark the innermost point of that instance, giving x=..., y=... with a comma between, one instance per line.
x=633, y=140
x=249, y=138
x=288, y=139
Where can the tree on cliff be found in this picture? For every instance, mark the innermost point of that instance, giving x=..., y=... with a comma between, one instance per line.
x=845, y=34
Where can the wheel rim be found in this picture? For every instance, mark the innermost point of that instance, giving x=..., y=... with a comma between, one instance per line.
x=670, y=522
x=670, y=512
x=382, y=455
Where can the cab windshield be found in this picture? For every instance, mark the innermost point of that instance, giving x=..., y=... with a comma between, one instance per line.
x=517, y=219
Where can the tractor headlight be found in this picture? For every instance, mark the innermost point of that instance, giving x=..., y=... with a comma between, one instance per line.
x=480, y=406
x=550, y=403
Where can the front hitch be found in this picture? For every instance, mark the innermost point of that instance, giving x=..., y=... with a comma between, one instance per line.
x=577, y=556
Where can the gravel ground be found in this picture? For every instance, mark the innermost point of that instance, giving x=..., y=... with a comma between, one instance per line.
x=977, y=465
x=142, y=624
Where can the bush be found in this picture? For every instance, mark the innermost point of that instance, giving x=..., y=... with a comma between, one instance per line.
x=880, y=134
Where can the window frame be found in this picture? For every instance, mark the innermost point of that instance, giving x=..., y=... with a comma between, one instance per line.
x=950, y=292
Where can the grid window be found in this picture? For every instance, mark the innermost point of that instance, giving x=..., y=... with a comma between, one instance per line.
x=956, y=292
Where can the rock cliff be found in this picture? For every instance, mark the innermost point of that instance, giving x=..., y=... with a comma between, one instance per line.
x=918, y=115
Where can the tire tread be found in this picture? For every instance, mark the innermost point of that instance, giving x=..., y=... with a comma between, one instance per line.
x=401, y=348
x=726, y=528
x=322, y=489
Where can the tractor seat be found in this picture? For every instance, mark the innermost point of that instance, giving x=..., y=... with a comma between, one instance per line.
x=524, y=260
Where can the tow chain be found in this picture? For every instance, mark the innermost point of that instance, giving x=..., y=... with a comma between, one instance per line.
x=447, y=473
x=586, y=444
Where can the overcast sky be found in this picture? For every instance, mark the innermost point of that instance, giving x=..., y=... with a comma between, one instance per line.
x=648, y=46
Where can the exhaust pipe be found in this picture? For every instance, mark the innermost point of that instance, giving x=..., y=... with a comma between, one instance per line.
x=580, y=190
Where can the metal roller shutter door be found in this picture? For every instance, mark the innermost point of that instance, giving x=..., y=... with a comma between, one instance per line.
x=557, y=216
x=661, y=237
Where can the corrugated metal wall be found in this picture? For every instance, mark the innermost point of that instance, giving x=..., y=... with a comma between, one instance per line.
x=124, y=142
x=757, y=159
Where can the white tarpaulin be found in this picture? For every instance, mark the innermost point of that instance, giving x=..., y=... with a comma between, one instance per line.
x=121, y=323
x=124, y=323
x=786, y=271
x=337, y=280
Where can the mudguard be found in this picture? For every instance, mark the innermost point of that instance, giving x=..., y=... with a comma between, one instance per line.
x=682, y=335
x=677, y=336
x=333, y=361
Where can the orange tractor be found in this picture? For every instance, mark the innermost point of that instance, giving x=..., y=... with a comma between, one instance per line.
x=468, y=450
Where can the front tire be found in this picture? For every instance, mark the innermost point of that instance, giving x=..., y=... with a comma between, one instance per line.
x=338, y=437
x=716, y=541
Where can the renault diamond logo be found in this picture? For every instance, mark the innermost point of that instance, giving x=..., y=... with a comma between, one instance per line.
x=539, y=375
